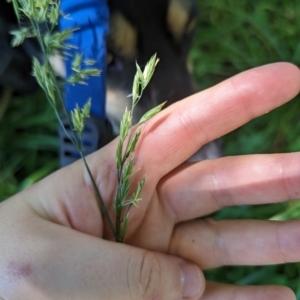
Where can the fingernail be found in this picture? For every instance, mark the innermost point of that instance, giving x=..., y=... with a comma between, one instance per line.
x=190, y=280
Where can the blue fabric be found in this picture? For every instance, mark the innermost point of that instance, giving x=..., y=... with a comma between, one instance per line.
x=92, y=17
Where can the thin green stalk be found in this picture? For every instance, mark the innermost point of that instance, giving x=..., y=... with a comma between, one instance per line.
x=101, y=202
x=76, y=139
x=62, y=125
x=39, y=37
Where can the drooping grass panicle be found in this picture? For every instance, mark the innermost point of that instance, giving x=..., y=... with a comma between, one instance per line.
x=47, y=12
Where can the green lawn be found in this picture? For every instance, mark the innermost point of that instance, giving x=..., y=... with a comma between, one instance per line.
x=232, y=35
x=28, y=143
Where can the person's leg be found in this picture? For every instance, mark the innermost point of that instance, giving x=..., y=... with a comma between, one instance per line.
x=91, y=18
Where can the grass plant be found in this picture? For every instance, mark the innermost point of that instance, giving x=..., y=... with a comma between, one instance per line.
x=42, y=17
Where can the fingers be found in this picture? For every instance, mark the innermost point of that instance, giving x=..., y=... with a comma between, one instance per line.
x=43, y=260
x=167, y=140
x=217, y=291
x=180, y=130
x=211, y=244
x=195, y=190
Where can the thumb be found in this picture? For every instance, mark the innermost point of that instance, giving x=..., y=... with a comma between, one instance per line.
x=134, y=273
x=56, y=262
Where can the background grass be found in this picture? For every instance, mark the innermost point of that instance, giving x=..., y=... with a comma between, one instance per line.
x=232, y=35
x=28, y=143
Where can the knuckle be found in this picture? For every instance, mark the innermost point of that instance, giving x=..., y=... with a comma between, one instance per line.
x=147, y=281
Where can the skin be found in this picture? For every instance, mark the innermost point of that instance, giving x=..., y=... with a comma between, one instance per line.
x=52, y=244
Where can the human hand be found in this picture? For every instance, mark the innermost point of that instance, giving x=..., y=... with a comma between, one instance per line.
x=52, y=233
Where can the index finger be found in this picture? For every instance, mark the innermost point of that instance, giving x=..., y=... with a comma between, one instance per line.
x=180, y=130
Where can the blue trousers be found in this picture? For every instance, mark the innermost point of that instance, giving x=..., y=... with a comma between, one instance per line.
x=91, y=17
